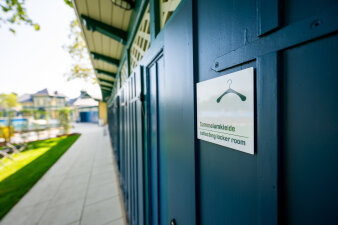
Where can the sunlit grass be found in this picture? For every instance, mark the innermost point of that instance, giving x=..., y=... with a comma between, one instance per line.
x=19, y=175
x=20, y=160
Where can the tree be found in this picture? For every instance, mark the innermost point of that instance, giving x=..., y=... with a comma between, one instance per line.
x=38, y=114
x=81, y=67
x=69, y=3
x=14, y=13
x=64, y=120
x=27, y=112
x=8, y=102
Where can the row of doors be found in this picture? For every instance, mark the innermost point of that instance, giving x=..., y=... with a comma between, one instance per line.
x=134, y=130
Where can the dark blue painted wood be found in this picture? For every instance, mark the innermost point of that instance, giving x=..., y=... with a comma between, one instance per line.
x=140, y=194
x=309, y=178
x=268, y=15
x=295, y=139
x=228, y=192
x=176, y=105
x=267, y=138
x=133, y=150
x=152, y=59
x=315, y=26
x=162, y=157
x=146, y=145
x=228, y=188
x=128, y=160
x=154, y=145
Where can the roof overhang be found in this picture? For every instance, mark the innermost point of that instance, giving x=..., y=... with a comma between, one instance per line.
x=105, y=29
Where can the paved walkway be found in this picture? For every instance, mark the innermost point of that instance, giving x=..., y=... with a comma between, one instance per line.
x=80, y=188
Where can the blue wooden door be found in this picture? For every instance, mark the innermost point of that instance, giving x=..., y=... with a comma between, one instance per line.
x=155, y=154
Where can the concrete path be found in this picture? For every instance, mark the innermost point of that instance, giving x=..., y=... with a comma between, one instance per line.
x=81, y=187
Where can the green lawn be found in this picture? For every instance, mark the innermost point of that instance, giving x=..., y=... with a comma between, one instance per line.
x=18, y=176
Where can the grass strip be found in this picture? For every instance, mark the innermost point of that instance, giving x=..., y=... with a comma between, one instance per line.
x=17, y=184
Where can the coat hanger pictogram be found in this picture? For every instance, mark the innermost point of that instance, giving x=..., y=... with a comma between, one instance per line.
x=230, y=90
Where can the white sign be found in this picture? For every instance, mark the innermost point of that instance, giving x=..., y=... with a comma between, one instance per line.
x=225, y=110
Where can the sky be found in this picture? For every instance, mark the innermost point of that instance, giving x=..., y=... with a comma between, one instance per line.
x=33, y=60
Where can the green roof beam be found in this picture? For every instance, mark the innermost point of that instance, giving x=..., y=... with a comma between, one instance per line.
x=106, y=72
x=107, y=59
x=112, y=32
x=105, y=80
x=105, y=86
x=106, y=83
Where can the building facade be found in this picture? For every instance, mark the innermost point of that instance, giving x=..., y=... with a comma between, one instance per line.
x=85, y=108
x=43, y=101
x=153, y=58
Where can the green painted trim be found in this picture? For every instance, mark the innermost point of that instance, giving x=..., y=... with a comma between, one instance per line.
x=154, y=19
x=155, y=49
x=107, y=59
x=106, y=73
x=112, y=32
x=128, y=62
x=135, y=21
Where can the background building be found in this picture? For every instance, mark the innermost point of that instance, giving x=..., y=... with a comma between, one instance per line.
x=86, y=108
x=44, y=101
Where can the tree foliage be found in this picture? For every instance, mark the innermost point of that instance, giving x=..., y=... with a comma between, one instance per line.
x=8, y=101
x=81, y=68
x=69, y=3
x=64, y=119
x=14, y=13
x=27, y=112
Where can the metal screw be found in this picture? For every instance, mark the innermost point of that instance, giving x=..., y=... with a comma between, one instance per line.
x=216, y=64
x=316, y=23
x=172, y=222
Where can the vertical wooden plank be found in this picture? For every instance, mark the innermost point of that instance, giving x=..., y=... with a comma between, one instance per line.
x=147, y=191
x=130, y=166
x=139, y=149
x=268, y=16
x=135, y=150
x=178, y=108
x=127, y=151
x=267, y=139
x=154, y=145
